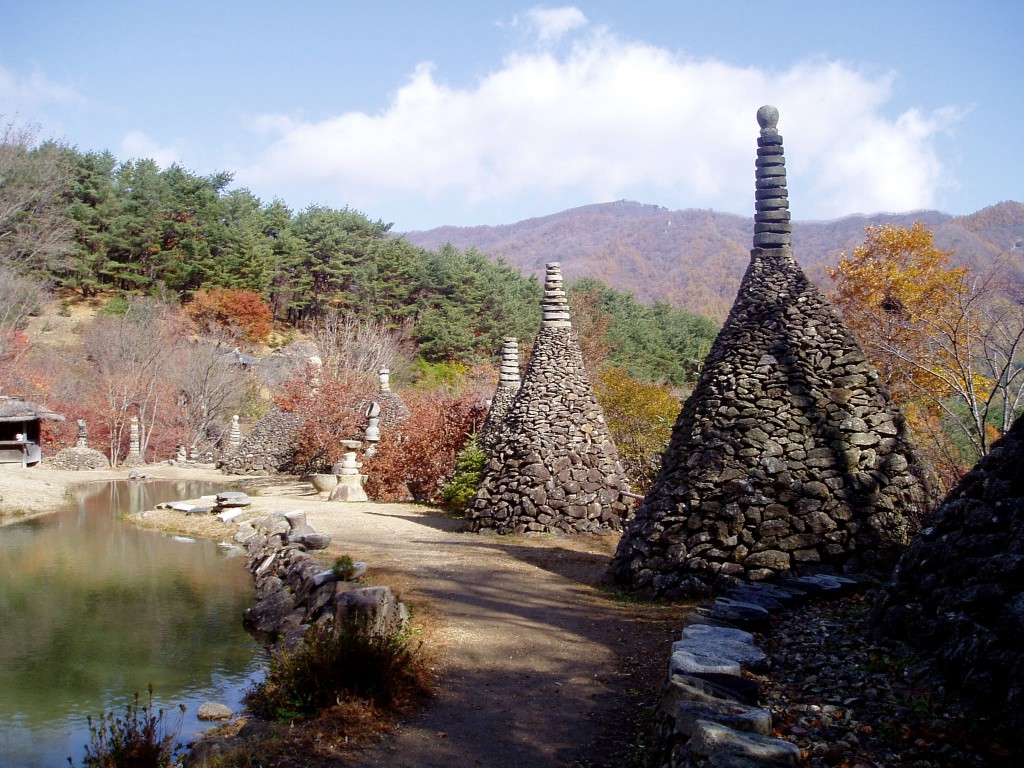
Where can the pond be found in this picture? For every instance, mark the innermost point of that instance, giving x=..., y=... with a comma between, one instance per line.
x=94, y=610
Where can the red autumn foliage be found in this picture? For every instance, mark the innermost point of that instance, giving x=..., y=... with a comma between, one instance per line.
x=417, y=458
x=334, y=411
x=231, y=308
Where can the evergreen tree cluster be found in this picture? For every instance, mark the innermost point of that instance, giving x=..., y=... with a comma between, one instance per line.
x=140, y=230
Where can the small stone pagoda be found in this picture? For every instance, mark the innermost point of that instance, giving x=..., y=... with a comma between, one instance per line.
x=789, y=456
x=958, y=592
x=553, y=466
x=508, y=387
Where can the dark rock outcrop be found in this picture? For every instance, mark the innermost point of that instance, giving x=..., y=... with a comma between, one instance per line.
x=789, y=456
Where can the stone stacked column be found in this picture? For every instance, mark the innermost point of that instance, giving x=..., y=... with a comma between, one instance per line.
x=554, y=466
x=234, y=435
x=508, y=386
x=789, y=456
x=134, y=457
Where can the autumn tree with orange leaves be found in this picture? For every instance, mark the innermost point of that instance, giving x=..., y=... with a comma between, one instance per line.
x=947, y=342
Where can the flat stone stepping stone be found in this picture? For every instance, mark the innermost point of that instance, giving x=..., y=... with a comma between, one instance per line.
x=745, y=652
x=691, y=688
x=694, y=662
x=759, y=598
x=233, y=499
x=713, y=738
x=723, y=760
x=177, y=506
x=740, y=717
x=741, y=689
x=742, y=615
x=785, y=596
x=314, y=541
x=200, y=510
x=817, y=585
x=708, y=630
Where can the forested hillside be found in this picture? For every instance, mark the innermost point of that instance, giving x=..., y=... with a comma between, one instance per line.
x=695, y=259
x=87, y=224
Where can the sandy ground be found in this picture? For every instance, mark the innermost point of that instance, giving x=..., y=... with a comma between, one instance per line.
x=538, y=665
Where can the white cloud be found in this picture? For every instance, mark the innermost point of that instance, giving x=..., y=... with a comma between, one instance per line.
x=551, y=24
x=29, y=92
x=608, y=118
x=135, y=145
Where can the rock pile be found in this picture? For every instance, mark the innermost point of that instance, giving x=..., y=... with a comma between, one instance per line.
x=508, y=387
x=296, y=590
x=789, y=455
x=79, y=457
x=269, y=448
x=554, y=466
x=709, y=713
x=958, y=592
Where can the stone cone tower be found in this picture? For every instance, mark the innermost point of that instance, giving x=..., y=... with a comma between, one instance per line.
x=789, y=455
x=554, y=466
x=958, y=592
x=508, y=387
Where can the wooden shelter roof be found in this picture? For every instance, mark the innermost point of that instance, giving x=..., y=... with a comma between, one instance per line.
x=20, y=409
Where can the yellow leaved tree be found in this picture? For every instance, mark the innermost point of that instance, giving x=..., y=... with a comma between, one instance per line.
x=640, y=418
x=947, y=342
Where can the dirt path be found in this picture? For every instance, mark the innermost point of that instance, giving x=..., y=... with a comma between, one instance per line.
x=538, y=665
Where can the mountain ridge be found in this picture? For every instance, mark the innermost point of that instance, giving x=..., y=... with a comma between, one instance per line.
x=694, y=258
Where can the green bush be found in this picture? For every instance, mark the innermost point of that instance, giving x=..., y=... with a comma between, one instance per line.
x=334, y=664
x=114, y=307
x=469, y=469
x=343, y=568
x=139, y=739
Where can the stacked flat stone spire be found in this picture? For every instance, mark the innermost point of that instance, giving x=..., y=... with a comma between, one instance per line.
x=772, y=227
x=789, y=456
x=508, y=387
x=553, y=466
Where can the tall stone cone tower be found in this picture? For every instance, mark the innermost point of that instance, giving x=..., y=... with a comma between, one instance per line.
x=789, y=456
x=508, y=387
x=554, y=466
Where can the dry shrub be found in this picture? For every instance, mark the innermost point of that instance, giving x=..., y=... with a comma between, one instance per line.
x=334, y=411
x=345, y=661
x=231, y=308
x=416, y=459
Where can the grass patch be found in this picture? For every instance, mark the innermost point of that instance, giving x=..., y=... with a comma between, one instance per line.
x=334, y=664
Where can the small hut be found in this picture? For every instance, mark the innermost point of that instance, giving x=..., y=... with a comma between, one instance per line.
x=20, y=430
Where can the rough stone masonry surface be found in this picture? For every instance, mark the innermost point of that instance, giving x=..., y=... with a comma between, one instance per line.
x=958, y=592
x=269, y=447
x=789, y=456
x=553, y=466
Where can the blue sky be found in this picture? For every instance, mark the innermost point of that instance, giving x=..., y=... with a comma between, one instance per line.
x=488, y=113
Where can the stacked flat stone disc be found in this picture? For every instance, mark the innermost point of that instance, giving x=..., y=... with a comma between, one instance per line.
x=508, y=386
x=772, y=227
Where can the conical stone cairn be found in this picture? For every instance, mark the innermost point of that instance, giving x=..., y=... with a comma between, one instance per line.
x=508, y=387
x=554, y=466
x=789, y=457
x=958, y=592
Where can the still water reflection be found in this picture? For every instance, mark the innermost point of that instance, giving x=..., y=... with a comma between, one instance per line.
x=93, y=610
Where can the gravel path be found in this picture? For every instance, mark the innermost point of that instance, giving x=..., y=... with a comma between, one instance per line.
x=538, y=665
